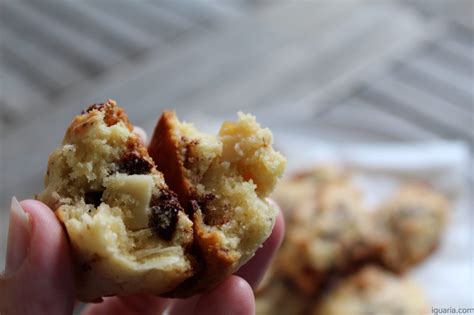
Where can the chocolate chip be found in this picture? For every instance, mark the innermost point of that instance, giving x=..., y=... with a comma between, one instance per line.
x=85, y=267
x=203, y=201
x=96, y=106
x=207, y=198
x=199, y=203
x=164, y=214
x=93, y=197
x=189, y=155
x=133, y=163
x=208, y=209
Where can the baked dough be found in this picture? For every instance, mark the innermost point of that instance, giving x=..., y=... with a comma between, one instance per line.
x=130, y=232
x=222, y=182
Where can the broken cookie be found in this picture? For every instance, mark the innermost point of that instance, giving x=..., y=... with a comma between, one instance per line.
x=131, y=231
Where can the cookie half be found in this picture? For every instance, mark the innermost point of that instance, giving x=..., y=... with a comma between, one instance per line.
x=222, y=182
x=128, y=231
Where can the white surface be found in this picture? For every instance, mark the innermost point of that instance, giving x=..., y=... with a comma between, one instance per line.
x=447, y=276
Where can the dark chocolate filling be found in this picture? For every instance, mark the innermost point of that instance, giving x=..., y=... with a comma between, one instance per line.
x=189, y=157
x=93, y=198
x=199, y=202
x=164, y=214
x=133, y=163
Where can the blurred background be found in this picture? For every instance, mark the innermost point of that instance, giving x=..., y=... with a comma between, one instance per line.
x=339, y=71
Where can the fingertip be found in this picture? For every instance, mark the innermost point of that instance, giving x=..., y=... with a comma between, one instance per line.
x=49, y=247
x=233, y=296
x=45, y=278
x=241, y=289
x=279, y=229
x=46, y=228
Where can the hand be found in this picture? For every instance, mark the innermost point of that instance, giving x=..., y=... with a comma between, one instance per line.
x=39, y=278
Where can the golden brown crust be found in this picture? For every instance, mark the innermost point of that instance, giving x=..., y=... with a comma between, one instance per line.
x=164, y=151
x=113, y=113
x=211, y=259
x=212, y=262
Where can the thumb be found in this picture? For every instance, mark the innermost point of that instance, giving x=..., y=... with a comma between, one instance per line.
x=38, y=277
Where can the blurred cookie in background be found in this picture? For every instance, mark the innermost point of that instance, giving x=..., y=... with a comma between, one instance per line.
x=374, y=291
x=329, y=235
x=340, y=256
x=410, y=226
x=304, y=185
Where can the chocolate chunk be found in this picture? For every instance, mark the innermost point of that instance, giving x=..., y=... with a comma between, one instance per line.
x=198, y=202
x=85, y=267
x=203, y=201
x=208, y=209
x=133, y=163
x=164, y=214
x=93, y=197
x=190, y=157
x=97, y=106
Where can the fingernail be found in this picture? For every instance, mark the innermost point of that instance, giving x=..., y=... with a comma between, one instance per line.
x=18, y=238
